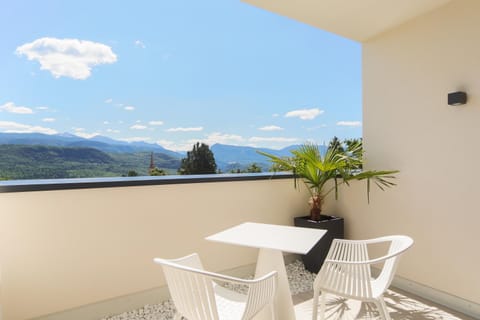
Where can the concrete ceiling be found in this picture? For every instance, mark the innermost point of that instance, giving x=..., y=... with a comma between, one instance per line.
x=358, y=20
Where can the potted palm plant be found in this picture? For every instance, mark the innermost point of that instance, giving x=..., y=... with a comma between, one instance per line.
x=323, y=173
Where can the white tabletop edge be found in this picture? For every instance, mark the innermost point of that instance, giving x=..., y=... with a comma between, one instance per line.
x=280, y=237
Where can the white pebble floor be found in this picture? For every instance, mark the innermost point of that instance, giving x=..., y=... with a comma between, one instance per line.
x=300, y=280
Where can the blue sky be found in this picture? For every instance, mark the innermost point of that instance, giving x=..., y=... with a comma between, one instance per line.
x=175, y=72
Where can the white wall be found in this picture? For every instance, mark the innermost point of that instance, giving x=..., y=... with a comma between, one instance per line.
x=407, y=74
x=63, y=249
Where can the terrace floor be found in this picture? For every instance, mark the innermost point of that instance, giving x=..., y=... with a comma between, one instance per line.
x=402, y=305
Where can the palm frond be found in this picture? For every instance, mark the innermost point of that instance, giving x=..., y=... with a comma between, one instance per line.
x=340, y=163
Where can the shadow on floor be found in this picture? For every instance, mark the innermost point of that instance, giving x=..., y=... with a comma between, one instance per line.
x=400, y=306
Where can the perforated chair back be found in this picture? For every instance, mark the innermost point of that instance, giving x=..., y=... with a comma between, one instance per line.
x=347, y=270
x=197, y=295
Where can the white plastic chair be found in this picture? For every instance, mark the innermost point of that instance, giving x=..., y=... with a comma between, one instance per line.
x=197, y=296
x=346, y=272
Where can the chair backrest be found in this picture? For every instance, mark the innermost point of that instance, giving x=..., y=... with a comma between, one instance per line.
x=347, y=268
x=345, y=279
x=398, y=245
x=191, y=291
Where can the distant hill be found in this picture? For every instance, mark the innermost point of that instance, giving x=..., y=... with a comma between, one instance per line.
x=49, y=162
x=69, y=140
x=239, y=157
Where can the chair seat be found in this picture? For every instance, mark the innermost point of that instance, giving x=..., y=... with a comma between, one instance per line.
x=230, y=304
x=377, y=290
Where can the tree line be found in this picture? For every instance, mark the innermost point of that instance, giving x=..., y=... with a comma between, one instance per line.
x=200, y=160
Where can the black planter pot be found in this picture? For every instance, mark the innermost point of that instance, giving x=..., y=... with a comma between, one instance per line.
x=313, y=260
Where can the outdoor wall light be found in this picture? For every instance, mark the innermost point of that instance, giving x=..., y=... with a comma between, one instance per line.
x=457, y=98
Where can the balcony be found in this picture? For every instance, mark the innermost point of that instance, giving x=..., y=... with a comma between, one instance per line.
x=87, y=253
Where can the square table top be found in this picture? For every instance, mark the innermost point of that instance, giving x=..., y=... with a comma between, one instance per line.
x=270, y=236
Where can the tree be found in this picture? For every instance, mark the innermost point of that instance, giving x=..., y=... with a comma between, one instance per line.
x=132, y=173
x=335, y=143
x=198, y=161
x=351, y=145
x=253, y=168
x=157, y=172
x=339, y=165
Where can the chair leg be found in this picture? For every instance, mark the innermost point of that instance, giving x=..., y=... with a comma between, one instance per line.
x=272, y=311
x=382, y=308
x=322, y=305
x=315, y=305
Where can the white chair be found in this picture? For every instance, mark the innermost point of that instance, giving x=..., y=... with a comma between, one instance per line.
x=197, y=295
x=346, y=272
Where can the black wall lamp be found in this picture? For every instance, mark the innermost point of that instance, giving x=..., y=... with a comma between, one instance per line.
x=457, y=98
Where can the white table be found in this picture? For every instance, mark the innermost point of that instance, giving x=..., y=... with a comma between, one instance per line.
x=272, y=240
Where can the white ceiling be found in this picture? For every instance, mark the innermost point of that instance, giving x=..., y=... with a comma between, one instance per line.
x=358, y=20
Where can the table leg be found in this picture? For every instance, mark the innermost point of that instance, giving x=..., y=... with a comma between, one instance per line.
x=268, y=260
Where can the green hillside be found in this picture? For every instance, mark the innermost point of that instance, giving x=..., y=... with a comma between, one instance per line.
x=47, y=162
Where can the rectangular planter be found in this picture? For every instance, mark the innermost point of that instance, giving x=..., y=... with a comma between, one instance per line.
x=313, y=260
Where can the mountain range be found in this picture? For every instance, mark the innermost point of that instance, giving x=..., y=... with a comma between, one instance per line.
x=230, y=157
x=98, y=142
x=227, y=157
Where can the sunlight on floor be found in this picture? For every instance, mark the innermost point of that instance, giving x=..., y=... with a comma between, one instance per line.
x=399, y=306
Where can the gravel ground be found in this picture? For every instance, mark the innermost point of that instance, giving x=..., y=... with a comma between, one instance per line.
x=300, y=280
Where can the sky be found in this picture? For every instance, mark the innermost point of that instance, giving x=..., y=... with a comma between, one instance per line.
x=174, y=73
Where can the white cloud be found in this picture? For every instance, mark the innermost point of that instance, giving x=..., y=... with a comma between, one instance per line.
x=42, y=108
x=8, y=126
x=48, y=119
x=109, y=100
x=86, y=135
x=80, y=132
x=181, y=129
x=304, y=114
x=275, y=115
x=349, y=123
x=272, y=139
x=140, y=44
x=165, y=143
x=223, y=138
x=171, y=145
x=211, y=139
x=106, y=122
x=71, y=58
x=12, y=108
x=156, y=123
x=270, y=128
x=183, y=146
x=138, y=127
x=129, y=108
x=113, y=131
x=135, y=139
